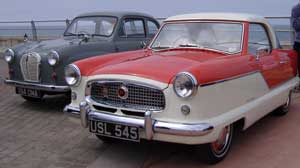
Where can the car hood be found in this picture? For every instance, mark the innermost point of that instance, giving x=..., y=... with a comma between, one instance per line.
x=160, y=66
x=44, y=47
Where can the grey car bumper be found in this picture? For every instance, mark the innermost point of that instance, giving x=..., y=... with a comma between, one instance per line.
x=37, y=86
x=151, y=126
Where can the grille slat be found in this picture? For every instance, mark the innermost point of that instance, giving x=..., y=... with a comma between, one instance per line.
x=140, y=97
x=30, y=66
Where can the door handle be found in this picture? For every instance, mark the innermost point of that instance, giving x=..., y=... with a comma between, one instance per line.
x=283, y=62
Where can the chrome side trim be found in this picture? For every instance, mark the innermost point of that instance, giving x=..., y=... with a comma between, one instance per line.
x=183, y=129
x=150, y=125
x=72, y=111
x=50, y=88
x=229, y=79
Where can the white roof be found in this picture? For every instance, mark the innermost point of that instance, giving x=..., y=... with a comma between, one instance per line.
x=219, y=16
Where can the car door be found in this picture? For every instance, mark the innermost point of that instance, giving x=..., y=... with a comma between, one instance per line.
x=132, y=34
x=259, y=45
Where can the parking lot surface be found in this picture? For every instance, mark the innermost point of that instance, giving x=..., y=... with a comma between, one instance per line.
x=38, y=135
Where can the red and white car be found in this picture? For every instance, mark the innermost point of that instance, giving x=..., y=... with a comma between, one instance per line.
x=201, y=75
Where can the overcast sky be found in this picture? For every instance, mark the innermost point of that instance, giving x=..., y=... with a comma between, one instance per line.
x=62, y=9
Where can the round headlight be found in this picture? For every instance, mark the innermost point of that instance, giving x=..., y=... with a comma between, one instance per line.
x=53, y=58
x=185, y=84
x=9, y=55
x=72, y=75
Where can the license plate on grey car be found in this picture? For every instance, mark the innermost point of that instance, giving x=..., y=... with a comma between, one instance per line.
x=119, y=131
x=28, y=92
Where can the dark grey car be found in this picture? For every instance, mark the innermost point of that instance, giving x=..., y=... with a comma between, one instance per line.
x=36, y=68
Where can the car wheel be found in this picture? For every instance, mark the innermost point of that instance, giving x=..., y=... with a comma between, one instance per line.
x=32, y=99
x=106, y=139
x=285, y=108
x=217, y=151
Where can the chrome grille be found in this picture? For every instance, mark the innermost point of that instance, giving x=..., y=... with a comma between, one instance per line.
x=140, y=97
x=30, y=63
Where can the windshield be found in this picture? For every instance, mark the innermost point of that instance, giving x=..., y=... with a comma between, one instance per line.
x=217, y=36
x=101, y=26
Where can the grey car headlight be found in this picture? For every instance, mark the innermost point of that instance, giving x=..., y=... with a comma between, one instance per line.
x=185, y=84
x=53, y=58
x=9, y=55
x=72, y=75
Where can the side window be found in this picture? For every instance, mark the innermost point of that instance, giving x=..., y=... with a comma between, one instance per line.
x=133, y=28
x=258, y=38
x=152, y=27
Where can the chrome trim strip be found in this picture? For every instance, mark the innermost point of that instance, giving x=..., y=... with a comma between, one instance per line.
x=194, y=80
x=183, y=129
x=148, y=125
x=84, y=111
x=228, y=79
x=51, y=88
x=201, y=21
x=77, y=70
x=101, y=81
x=151, y=126
x=72, y=111
x=27, y=75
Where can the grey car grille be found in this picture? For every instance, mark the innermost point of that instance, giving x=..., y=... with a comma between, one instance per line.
x=140, y=97
x=30, y=66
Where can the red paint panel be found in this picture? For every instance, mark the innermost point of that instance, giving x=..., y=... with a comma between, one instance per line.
x=277, y=67
x=162, y=66
x=207, y=66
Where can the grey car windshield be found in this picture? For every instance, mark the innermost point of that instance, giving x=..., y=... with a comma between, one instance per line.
x=102, y=26
x=217, y=36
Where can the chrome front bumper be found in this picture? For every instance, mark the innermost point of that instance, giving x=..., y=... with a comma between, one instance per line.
x=148, y=124
x=49, y=88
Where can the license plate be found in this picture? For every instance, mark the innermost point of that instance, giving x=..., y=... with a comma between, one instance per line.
x=28, y=92
x=119, y=131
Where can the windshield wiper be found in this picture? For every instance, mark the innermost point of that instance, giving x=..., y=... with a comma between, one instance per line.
x=70, y=34
x=188, y=45
x=161, y=47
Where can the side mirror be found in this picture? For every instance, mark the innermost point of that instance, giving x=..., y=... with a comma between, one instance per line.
x=262, y=51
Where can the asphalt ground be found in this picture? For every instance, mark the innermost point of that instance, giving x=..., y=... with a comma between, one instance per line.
x=38, y=135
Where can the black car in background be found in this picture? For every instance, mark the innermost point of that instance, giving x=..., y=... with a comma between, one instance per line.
x=36, y=68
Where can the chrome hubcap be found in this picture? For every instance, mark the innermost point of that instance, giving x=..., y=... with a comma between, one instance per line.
x=220, y=145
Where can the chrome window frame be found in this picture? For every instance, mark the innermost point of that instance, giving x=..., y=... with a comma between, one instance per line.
x=204, y=21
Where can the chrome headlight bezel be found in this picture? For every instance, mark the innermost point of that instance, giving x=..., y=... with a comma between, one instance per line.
x=72, y=75
x=185, y=85
x=53, y=58
x=9, y=55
